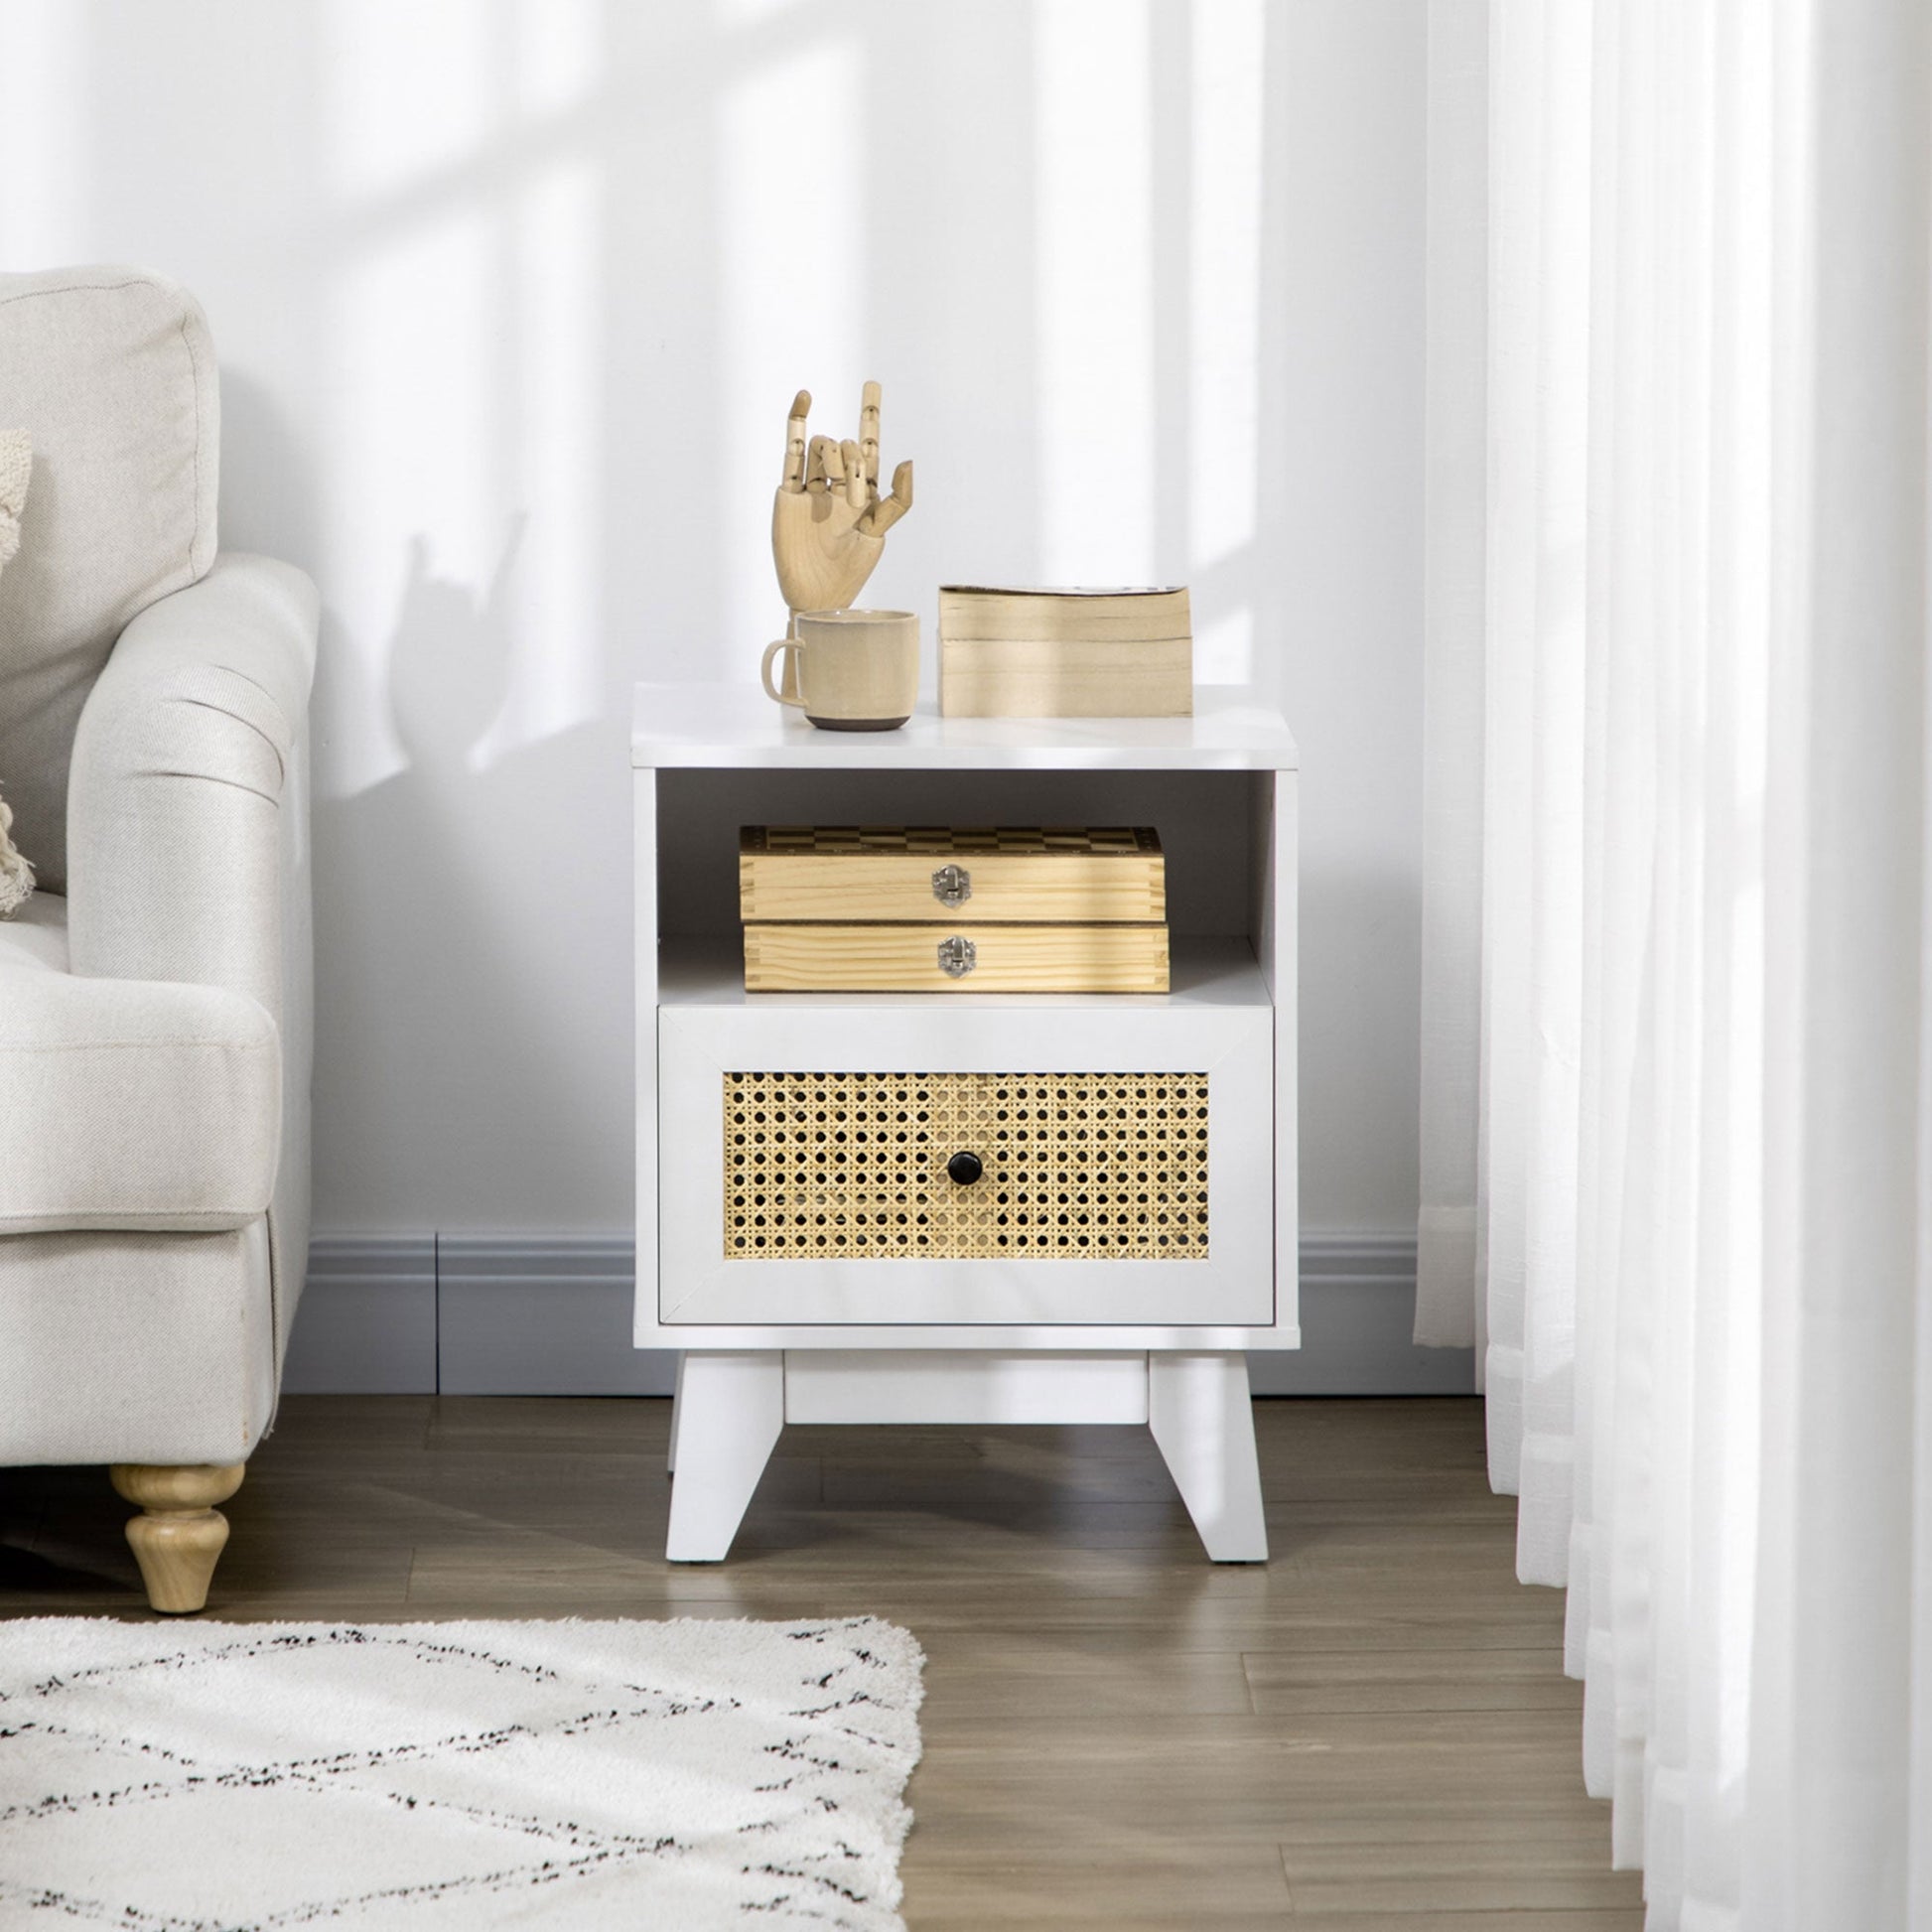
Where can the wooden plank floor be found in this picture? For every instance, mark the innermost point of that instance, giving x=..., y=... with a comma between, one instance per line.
x=1371, y=1732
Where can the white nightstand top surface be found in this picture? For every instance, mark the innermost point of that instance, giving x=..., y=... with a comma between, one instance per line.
x=732, y=725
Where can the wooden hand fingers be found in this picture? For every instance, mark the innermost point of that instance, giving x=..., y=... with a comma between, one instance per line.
x=851, y=469
x=836, y=466
x=869, y=434
x=801, y=406
x=888, y=509
x=854, y=475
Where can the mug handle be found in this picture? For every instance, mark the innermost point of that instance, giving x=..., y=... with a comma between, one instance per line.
x=764, y=671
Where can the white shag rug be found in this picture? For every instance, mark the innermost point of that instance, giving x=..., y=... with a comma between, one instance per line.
x=419, y=1777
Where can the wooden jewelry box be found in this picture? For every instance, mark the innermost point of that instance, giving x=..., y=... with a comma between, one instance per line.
x=939, y=908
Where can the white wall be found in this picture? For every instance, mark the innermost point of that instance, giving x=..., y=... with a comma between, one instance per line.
x=511, y=296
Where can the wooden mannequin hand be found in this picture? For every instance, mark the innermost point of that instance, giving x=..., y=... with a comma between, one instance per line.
x=828, y=519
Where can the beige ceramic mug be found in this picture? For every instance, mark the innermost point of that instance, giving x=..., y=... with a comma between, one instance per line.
x=853, y=670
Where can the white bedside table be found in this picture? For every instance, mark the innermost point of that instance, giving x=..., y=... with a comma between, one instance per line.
x=1104, y=1102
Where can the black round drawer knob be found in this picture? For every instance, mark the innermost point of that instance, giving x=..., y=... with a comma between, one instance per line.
x=965, y=1167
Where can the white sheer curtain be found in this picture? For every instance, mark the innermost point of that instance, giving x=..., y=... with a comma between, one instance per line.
x=1677, y=1101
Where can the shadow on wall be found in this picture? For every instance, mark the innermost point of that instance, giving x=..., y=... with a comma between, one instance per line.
x=510, y=303
x=565, y=314
x=452, y=911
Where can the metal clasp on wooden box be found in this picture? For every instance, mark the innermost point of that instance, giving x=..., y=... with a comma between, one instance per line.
x=952, y=886
x=957, y=957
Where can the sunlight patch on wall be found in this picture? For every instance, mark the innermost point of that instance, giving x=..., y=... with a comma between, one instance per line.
x=791, y=307
x=1224, y=647
x=406, y=89
x=557, y=49
x=418, y=519
x=1224, y=280
x=43, y=93
x=1094, y=270
x=553, y=605
x=747, y=13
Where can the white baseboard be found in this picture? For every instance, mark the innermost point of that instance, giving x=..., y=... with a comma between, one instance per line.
x=546, y=1317
x=1358, y=1313
x=366, y=1322
x=550, y=1315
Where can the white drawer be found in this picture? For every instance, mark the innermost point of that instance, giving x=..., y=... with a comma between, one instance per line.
x=1126, y=1161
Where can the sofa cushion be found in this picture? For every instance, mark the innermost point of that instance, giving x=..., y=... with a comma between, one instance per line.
x=111, y=372
x=136, y=1104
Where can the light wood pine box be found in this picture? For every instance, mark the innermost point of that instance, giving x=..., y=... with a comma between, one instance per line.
x=1066, y=653
x=1039, y=909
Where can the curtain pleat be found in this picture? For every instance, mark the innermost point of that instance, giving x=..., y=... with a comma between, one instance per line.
x=1696, y=1247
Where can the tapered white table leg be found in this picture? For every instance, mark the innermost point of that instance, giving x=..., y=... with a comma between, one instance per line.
x=730, y=1408
x=1202, y=1419
x=677, y=1409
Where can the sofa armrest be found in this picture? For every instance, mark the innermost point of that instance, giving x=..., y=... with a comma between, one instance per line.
x=180, y=778
x=134, y=1104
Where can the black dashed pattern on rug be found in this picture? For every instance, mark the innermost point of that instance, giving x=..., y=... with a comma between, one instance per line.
x=245, y=1779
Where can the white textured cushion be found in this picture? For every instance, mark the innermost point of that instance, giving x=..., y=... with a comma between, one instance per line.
x=111, y=371
x=128, y=1103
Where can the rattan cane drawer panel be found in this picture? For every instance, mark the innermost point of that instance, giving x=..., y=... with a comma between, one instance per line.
x=1076, y=1166
x=1026, y=873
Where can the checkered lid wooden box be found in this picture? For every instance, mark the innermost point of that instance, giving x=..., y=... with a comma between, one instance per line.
x=953, y=908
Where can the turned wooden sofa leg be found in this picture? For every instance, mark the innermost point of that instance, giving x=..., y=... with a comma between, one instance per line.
x=179, y=1535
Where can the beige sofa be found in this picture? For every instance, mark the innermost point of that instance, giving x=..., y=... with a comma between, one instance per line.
x=155, y=994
